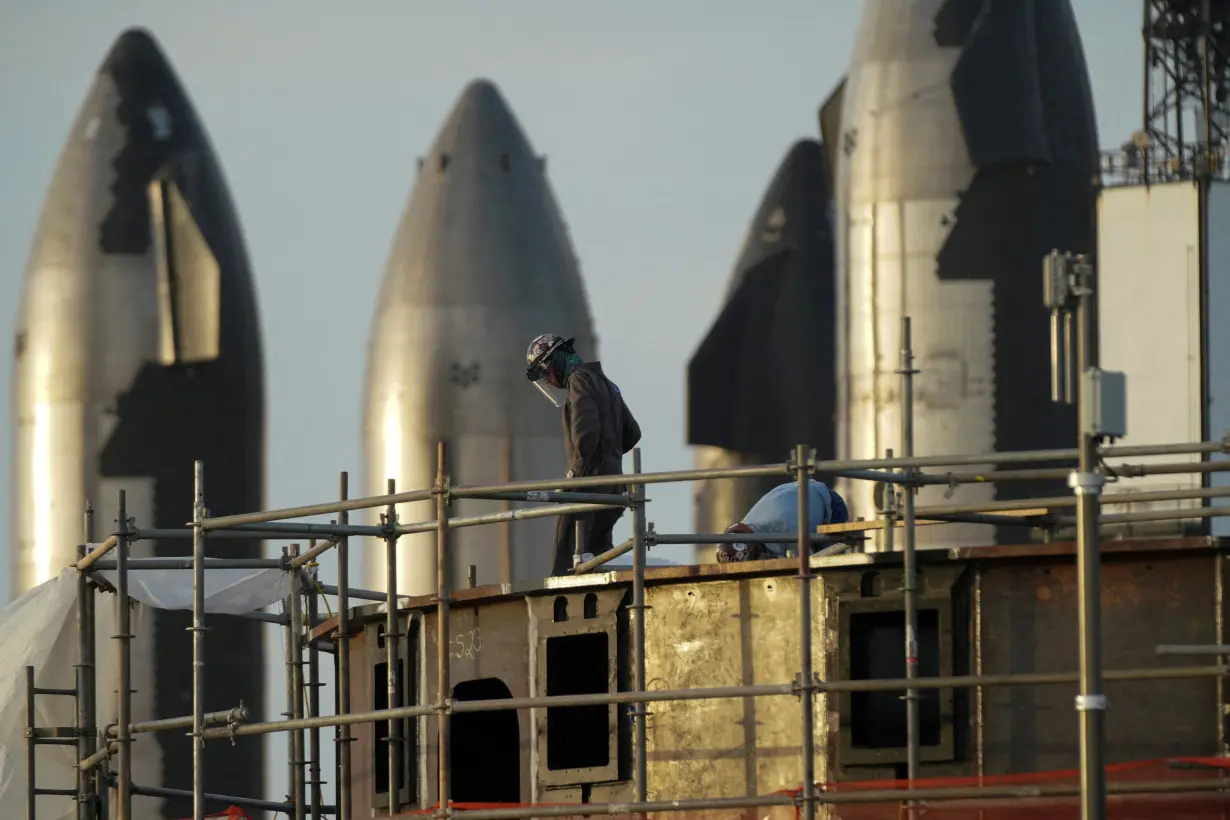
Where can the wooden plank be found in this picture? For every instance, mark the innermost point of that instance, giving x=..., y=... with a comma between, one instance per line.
x=878, y=524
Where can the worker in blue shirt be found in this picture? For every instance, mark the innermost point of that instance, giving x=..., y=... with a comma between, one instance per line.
x=778, y=511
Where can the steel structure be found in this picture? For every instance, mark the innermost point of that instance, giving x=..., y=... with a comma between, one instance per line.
x=898, y=475
x=95, y=776
x=1186, y=88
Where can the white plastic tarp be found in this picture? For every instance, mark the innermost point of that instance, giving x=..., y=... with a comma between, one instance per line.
x=227, y=591
x=39, y=629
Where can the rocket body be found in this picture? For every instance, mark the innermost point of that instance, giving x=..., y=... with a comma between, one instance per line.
x=763, y=379
x=481, y=264
x=967, y=150
x=138, y=351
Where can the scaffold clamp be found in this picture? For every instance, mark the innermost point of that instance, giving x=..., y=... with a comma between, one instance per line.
x=1086, y=483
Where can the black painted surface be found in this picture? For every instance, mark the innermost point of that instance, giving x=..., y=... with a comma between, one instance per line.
x=172, y=416
x=764, y=378
x=1026, y=110
x=830, y=125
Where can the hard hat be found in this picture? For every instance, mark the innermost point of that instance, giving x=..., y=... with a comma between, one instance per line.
x=539, y=354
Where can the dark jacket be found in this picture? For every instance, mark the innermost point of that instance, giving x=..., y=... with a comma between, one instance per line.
x=598, y=426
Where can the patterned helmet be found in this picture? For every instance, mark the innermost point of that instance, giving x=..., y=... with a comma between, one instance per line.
x=539, y=354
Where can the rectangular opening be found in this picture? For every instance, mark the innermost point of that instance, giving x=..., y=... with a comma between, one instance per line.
x=578, y=736
x=877, y=651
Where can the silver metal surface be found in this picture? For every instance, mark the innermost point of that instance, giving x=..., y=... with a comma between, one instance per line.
x=481, y=264
x=132, y=356
x=932, y=188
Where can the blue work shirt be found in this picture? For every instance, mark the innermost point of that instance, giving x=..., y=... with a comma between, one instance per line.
x=778, y=509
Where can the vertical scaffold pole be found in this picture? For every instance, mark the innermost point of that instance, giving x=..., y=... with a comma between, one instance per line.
x=638, y=619
x=343, y=655
x=86, y=672
x=294, y=645
x=441, y=490
x=313, y=710
x=391, y=637
x=123, y=712
x=31, y=749
x=909, y=581
x=198, y=642
x=802, y=469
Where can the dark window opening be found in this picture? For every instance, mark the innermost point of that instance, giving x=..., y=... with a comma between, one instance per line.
x=561, y=609
x=578, y=736
x=591, y=605
x=871, y=586
x=486, y=753
x=380, y=700
x=877, y=650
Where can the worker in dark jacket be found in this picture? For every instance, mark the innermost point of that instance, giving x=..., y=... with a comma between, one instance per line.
x=598, y=430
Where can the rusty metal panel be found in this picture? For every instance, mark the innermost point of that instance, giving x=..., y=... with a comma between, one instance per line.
x=485, y=640
x=362, y=733
x=879, y=590
x=729, y=633
x=1029, y=624
x=566, y=614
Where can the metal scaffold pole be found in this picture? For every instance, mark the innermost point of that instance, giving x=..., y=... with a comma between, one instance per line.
x=391, y=637
x=638, y=619
x=803, y=464
x=444, y=751
x=123, y=809
x=343, y=656
x=198, y=642
x=87, y=719
x=909, y=579
x=313, y=693
x=294, y=688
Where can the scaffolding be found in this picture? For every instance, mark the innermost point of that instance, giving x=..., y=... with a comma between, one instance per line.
x=901, y=475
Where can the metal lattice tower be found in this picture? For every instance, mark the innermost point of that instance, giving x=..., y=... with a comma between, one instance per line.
x=1187, y=86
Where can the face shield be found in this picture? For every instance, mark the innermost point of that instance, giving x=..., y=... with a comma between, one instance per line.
x=546, y=393
x=536, y=372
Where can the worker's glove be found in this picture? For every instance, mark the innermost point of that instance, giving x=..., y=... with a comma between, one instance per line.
x=568, y=474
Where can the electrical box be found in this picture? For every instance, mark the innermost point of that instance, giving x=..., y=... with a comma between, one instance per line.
x=1105, y=409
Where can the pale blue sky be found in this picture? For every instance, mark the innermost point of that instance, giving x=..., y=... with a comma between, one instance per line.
x=662, y=121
